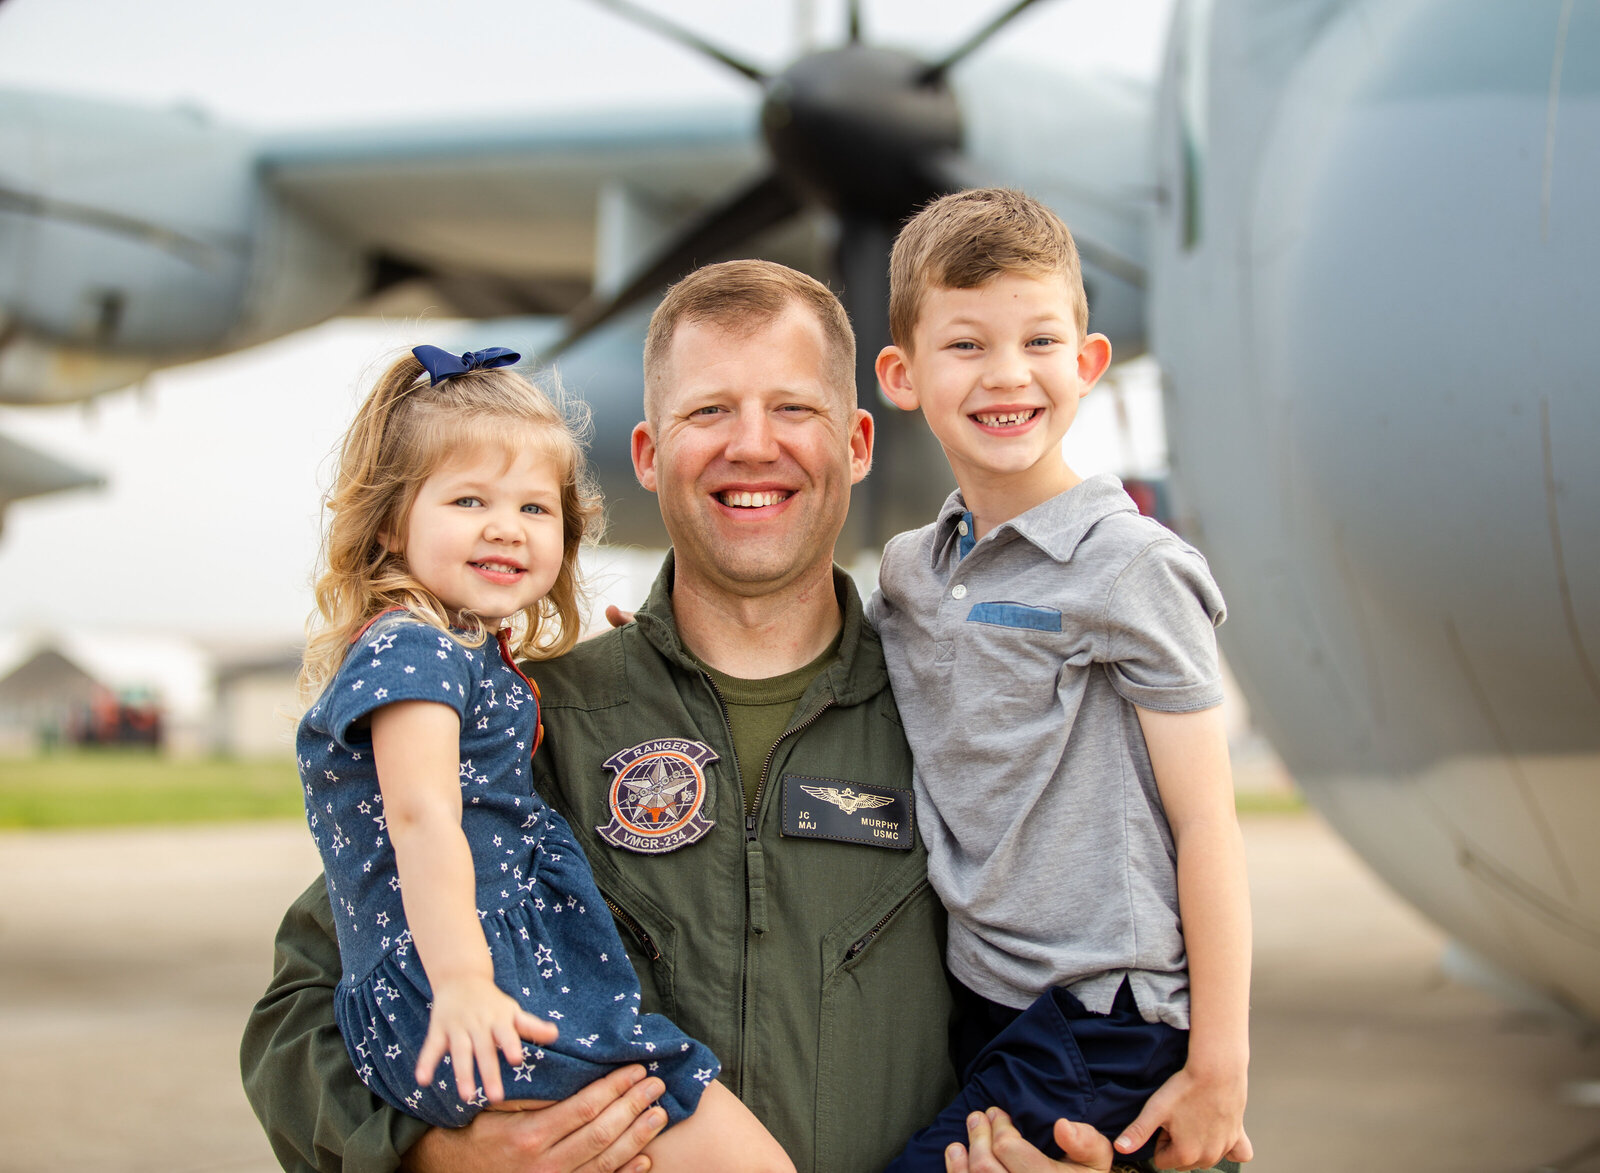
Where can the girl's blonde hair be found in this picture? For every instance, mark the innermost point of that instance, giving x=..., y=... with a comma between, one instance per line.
x=403, y=432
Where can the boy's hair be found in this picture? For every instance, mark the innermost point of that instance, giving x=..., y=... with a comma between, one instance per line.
x=404, y=431
x=745, y=296
x=961, y=241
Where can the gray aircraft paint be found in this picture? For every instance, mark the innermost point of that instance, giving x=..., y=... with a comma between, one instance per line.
x=1378, y=340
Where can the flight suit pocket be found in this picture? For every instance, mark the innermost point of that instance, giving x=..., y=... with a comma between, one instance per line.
x=885, y=1010
x=649, y=940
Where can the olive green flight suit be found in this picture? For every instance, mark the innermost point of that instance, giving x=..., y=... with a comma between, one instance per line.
x=813, y=968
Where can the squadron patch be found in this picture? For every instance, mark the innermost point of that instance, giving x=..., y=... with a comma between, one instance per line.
x=657, y=794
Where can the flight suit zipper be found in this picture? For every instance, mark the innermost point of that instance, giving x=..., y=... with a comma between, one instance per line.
x=860, y=943
x=755, y=867
x=633, y=927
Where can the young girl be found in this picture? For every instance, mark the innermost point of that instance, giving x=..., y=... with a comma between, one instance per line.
x=470, y=929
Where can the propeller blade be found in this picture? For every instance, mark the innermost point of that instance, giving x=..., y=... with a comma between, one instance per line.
x=910, y=477
x=763, y=204
x=676, y=32
x=196, y=252
x=1108, y=260
x=935, y=72
x=951, y=172
x=855, y=22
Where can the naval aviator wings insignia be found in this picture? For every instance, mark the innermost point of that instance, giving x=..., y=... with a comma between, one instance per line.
x=847, y=799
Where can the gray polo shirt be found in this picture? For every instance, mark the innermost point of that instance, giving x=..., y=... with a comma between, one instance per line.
x=1017, y=662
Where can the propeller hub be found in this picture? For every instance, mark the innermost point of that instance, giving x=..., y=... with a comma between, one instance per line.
x=856, y=129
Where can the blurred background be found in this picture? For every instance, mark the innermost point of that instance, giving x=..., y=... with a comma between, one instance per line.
x=1345, y=249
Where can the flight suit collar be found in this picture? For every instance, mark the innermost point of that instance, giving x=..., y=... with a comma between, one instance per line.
x=857, y=674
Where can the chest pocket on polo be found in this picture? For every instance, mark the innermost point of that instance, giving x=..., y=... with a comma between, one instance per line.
x=1016, y=615
x=1010, y=653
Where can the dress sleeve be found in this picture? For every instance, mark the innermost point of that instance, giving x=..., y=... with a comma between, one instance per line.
x=1160, y=616
x=317, y=1114
x=397, y=660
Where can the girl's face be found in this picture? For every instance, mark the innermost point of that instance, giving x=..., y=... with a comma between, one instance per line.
x=485, y=532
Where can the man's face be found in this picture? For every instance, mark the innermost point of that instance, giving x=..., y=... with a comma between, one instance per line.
x=752, y=453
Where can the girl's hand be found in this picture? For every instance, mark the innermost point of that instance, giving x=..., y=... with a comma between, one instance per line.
x=474, y=1021
x=1203, y=1118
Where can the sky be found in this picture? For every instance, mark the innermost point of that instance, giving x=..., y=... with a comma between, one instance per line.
x=215, y=470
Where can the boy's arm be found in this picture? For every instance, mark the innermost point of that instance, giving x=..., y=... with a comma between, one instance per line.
x=1202, y=1106
x=297, y=1073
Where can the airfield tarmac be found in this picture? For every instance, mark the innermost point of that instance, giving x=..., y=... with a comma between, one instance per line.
x=129, y=959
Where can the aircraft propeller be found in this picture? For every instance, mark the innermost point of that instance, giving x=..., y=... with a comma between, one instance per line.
x=866, y=133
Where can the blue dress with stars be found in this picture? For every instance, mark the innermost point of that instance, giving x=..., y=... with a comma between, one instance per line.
x=554, y=944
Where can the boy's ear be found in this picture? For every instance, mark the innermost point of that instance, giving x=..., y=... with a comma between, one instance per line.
x=1094, y=356
x=894, y=376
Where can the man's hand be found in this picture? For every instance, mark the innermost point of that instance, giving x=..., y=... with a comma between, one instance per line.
x=995, y=1146
x=601, y=1129
x=1202, y=1122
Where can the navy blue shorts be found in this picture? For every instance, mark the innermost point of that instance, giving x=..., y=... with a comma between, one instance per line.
x=1051, y=1060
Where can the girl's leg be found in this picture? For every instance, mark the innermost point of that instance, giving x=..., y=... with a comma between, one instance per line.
x=723, y=1136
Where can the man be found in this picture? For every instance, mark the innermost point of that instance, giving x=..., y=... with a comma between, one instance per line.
x=735, y=766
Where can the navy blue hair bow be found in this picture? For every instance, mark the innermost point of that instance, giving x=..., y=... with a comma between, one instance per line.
x=441, y=364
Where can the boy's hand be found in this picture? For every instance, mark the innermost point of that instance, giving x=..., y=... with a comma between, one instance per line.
x=1203, y=1119
x=471, y=1020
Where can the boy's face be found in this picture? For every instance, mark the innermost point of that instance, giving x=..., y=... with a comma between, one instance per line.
x=998, y=371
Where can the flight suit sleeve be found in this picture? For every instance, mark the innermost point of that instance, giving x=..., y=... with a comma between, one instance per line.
x=297, y=1073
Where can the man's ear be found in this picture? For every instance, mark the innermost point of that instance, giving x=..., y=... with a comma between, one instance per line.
x=1094, y=356
x=644, y=455
x=894, y=376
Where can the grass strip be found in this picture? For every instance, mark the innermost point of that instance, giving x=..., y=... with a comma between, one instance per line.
x=109, y=788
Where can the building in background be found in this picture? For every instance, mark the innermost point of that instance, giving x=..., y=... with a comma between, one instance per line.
x=83, y=688
x=255, y=705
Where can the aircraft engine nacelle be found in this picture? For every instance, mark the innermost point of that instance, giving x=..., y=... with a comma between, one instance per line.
x=133, y=238
x=1375, y=300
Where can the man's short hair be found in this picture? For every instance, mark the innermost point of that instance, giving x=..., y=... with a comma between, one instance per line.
x=962, y=240
x=745, y=296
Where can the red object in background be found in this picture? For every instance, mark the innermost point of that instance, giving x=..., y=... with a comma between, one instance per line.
x=1150, y=495
x=110, y=719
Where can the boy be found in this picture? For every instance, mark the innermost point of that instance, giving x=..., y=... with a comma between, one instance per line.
x=1054, y=663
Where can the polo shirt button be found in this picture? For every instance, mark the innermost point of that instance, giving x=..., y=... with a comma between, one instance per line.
x=959, y=591
x=961, y=528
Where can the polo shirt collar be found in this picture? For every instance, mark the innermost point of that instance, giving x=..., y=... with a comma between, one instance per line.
x=1055, y=526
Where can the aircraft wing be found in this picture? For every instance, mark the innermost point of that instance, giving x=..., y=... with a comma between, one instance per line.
x=28, y=472
x=517, y=216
